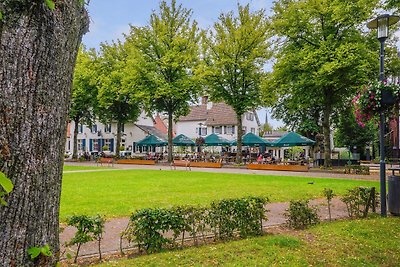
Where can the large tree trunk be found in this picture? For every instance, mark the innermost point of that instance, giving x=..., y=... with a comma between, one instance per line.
x=118, y=143
x=239, y=139
x=170, y=128
x=75, y=150
x=326, y=128
x=38, y=49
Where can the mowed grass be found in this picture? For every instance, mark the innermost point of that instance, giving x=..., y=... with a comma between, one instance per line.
x=80, y=168
x=371, y=242
x=118, y=193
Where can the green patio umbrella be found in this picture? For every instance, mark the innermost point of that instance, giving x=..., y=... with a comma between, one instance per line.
x=215, y=140
x=152, y=140
x=251, y=139
x=183, y=140
x=292, y=139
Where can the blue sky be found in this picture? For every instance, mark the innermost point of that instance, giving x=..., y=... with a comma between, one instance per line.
x=110, y=19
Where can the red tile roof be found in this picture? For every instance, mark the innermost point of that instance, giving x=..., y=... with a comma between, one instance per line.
x=219, y=114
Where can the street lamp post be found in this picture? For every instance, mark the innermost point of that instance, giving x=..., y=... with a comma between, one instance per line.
x=382, y=23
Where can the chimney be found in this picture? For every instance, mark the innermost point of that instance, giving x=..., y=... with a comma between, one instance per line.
x=204, y=100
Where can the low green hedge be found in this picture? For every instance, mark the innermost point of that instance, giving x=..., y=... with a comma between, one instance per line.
x=159, y=228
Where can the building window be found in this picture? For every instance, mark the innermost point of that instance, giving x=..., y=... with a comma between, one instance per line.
x=253, y=130
x=230, y=129
x=80, y=145
x=94, y=128
x=244, y=128
x=80, y=128
x=218, y=129
x=107, y=128
x=250, y=116
x=96, y=145
x=123, y=143
x=107, y=143
x=201, y=131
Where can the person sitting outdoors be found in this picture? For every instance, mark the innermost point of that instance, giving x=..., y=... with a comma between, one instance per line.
x=260, y=159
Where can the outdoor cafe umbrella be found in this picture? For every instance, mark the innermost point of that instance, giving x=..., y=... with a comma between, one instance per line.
x=292, y=139
x=152, y=140
x=183, y=140
x=251, y=139
x=215, y=140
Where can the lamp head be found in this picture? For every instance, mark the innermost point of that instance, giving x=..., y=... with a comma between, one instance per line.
x=382, y=24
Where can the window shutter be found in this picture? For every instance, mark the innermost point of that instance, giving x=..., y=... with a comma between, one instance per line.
x=91, y=144
x=112, y=145
x=84, y=144
x=233, y=129
x=212, y=129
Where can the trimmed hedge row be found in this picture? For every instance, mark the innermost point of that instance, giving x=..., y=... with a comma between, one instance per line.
x=159, y=228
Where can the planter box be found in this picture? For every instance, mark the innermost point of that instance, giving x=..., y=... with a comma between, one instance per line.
x=136, y=161
x=184, y=163
x=206, y=164
x=272, y=167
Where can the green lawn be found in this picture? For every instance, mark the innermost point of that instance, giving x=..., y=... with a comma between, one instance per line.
x=372, y=242
x=80, y=168
x=117, y=193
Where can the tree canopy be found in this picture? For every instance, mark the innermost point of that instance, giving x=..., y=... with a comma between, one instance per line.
x=323, y=56
x=165, y=61
x=235, y=52
x=84, y=92
x=117, y=100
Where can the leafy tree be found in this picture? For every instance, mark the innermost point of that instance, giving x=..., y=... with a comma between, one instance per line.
x=322, y=57
x=165, y=59
x=117, y=100
x=38, y=48
x=298, y=116
x=236, y=51
x=84, y=93
x=350, y=134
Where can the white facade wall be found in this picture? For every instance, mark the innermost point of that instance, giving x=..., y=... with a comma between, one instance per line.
x=86, y=139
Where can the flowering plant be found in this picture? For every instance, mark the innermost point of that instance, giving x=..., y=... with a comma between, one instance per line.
x=370, y=100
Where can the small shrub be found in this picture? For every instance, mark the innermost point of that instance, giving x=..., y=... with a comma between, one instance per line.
x=88, y=229
x=40, y=255
x=359, y=200
x=242, y=215
x=300, y=215
x=328, y=193
x=356, y=169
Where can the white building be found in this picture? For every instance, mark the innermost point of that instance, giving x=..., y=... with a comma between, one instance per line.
x=218, y=118
x=93, y=139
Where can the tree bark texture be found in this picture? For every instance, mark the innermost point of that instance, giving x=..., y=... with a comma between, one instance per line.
x=326, y=128
x=170, y=133
x=119, y=133
x=239, y=139
x=38, y=50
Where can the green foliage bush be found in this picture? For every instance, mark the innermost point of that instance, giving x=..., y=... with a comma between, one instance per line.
x=359, y=200
x=225, y=218
x=356, y=169
x=300, y=215
x=88, y=229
